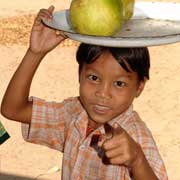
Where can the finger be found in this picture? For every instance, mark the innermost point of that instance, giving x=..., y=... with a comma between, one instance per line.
x=94, y=140
x=112, y=143
x=114, y=152
x=119, y=160
x=46, y=13
x=38, y=20
x=60, y=38
x=61, y=34
x=108, y=131
x=117, y=129
x=51, y=9
x=41, y=16
x=102, y=140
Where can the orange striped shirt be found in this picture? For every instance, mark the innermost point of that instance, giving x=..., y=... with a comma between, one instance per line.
x=63, y=126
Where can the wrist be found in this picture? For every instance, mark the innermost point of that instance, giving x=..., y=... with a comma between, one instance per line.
x=140, y=168
x=138, y=158
x=36, y=54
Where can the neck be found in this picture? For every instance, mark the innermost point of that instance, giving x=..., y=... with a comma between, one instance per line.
x=92, y=124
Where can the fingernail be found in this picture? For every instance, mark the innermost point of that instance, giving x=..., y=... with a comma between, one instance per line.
x=115, y=125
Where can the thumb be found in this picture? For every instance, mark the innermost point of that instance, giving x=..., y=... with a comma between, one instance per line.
x=108, y=130
x=51, y=8
x=117, y=129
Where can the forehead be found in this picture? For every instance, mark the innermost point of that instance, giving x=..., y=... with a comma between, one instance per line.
x=107, y=64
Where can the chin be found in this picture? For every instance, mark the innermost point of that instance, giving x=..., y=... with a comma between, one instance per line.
x=99, y=119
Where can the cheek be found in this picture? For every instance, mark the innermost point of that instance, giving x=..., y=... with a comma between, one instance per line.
x=86, y=90
x=125, y=96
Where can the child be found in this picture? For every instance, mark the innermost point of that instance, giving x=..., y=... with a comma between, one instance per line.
x=110, y=79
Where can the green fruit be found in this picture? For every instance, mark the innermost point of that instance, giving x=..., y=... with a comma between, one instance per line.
x=96, y=17
x=128, y=9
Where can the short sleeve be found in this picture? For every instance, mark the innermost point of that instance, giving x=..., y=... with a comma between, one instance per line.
x=144, y=138
x=49, y=124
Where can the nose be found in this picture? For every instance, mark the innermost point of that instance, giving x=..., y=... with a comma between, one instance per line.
x=103, y=91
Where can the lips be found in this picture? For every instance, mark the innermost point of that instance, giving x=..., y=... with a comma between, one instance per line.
x=101, y=109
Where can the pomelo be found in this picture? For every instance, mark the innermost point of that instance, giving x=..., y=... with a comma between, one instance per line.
x=96, y=17
x=128, y=9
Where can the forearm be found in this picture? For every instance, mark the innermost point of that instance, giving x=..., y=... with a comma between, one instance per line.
x=17, y=93
x=141, y=169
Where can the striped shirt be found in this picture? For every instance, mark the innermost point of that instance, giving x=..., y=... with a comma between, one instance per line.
x=63, y=126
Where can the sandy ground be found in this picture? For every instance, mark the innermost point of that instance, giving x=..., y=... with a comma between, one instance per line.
x=159, y=105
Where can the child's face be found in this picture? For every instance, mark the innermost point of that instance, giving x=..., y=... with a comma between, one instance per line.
x=106, y=89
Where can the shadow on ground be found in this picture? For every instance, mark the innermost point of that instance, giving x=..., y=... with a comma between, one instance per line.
x=15, y=177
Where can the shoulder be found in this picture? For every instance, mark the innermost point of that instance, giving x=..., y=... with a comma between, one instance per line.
x=73, y=105
x=138, y=129
x=70, y=105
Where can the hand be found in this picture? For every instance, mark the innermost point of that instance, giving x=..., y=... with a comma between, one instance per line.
x=43, y=39
x=121, y=149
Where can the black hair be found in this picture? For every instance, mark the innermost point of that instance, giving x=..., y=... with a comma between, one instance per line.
x=134, y=59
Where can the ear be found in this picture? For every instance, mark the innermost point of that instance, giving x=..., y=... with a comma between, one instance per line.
x=140, y=87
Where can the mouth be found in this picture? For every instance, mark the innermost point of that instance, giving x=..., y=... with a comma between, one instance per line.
x=101, y=109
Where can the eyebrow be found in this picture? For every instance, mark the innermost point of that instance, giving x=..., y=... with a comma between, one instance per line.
x=92, y=69
x=129, y=76
x=125, y=76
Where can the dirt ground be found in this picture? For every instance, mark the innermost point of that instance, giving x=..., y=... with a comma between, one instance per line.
x=159, y=105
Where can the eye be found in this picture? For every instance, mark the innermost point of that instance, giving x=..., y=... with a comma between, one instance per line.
x=92, y=77
x=120, y=84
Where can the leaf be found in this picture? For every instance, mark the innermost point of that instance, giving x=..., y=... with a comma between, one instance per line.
x=53, y=170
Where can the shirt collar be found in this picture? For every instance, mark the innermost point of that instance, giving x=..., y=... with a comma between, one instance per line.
x=122, y=117
x=81, y=122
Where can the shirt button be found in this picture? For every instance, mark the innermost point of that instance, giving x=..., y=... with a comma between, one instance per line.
x=82, y=147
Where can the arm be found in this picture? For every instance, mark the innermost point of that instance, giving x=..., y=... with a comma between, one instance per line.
x=15, y=104
x=123, y=150
x=141, y=168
